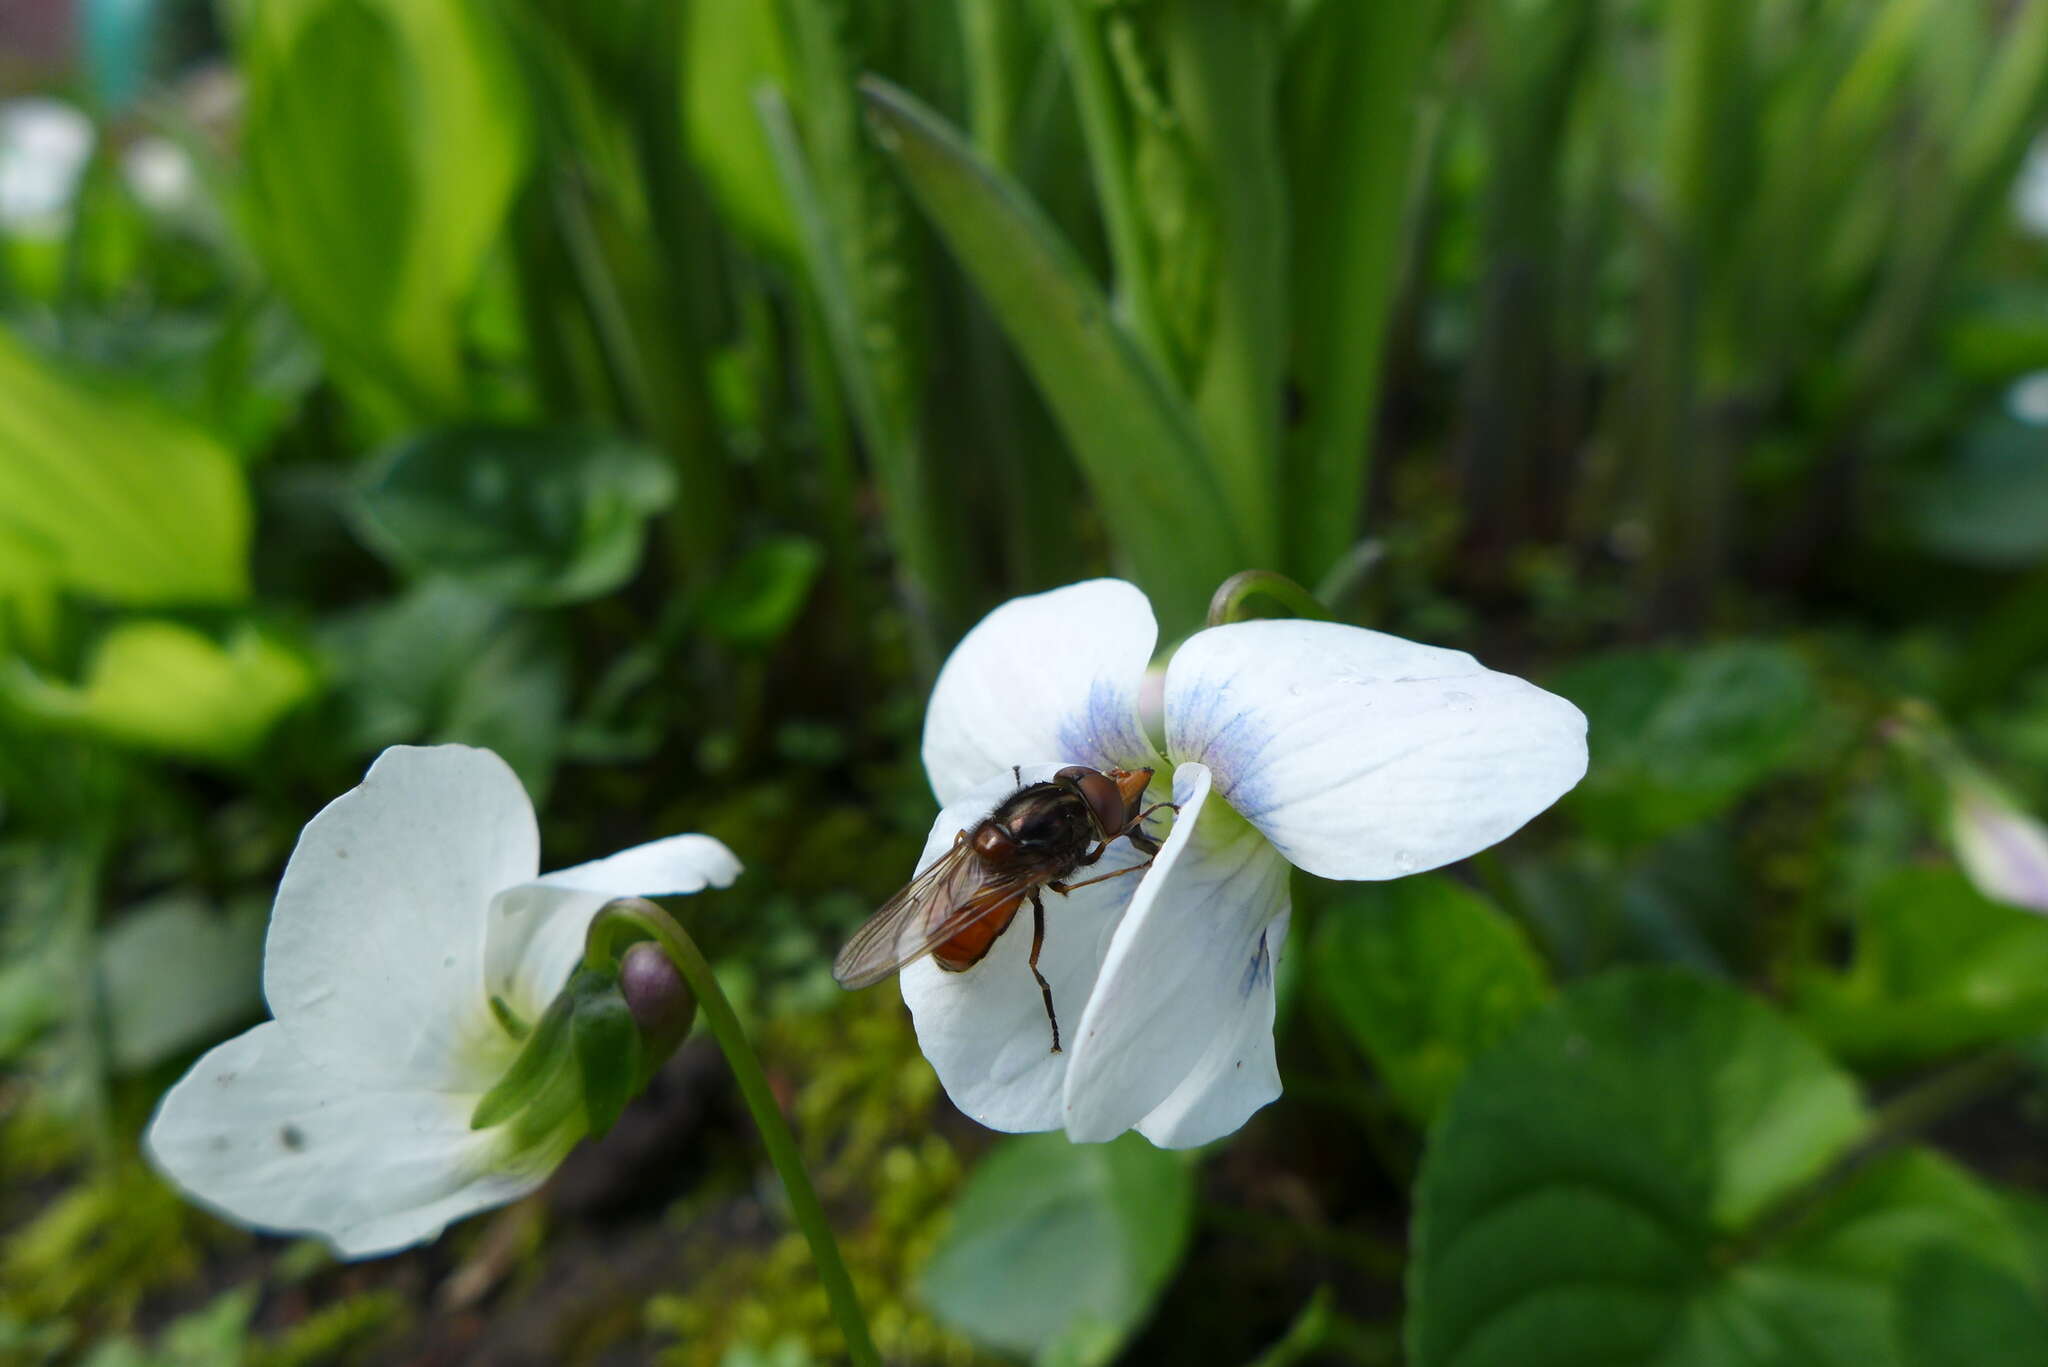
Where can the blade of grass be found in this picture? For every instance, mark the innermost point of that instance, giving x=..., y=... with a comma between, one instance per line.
x=1996, y=132
x=1353, y=78
x=924, y=562
x=1222, y=62
x=1136, y=441
x=1109, y=158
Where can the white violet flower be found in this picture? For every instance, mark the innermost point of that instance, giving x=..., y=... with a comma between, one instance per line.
x=1345, y=752
x=412, y=936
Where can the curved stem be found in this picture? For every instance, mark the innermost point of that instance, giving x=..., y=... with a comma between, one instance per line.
x=632, y=918
x=1233, y=593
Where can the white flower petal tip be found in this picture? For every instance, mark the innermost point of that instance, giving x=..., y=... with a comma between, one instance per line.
x=1364, y=756
x=2003, y=851
x=1056, y=674
x=408, y=904
x=1177, y=1039
x=672, y=867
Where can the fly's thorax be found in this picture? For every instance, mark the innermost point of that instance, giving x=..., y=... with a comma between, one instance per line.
x=1048, y=826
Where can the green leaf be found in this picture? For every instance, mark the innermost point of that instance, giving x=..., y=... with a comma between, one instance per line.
x=1426, y=975
x=104, y=493
x=166, y=687
x=827, y=202
x=730, y=48
x=1059, y=1250
x=174, y=975
x=1937, y=967
x=1679, y=736
x=1959, y=1308
x=376, y=221
x=539, y=516
x=756, y=601
x=1353, y=81
x=1221, y=66
x=444, y=663
x=1628, y=1179
x=1134, y=437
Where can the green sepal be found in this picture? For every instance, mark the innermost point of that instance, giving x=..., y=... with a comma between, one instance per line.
x=508, y=1020
x=608, y=1053
x=544, y=1053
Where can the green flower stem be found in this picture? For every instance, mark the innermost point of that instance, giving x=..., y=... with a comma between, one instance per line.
x=633, y=918
x=1233, y=593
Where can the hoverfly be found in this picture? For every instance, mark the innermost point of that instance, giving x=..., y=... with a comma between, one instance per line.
x=1038, y=837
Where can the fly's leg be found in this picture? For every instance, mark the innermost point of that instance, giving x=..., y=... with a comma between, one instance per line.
x=1017, y=774
x=1064, y=888
x=1136, y=833
x=1038, y=943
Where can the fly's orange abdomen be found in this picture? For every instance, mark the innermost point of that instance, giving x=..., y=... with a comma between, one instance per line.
x=973, y=943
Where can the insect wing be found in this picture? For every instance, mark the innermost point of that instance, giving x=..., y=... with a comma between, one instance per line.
x=956, y=891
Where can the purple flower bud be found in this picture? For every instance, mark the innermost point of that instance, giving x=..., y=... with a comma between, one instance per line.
x=661, y=1002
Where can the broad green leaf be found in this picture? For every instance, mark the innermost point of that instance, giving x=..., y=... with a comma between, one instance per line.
x=1426, y=975
x=511, y=699
x=540, y=516
x=1678, y=736
x=1134, y=437
x=758, y=599
x=175, y=975
x=443, y=663
x=163, y=686
x=1936, y=967
x=1960, y=1308
x=103, y=493
x=385, y=141
x=397, y=664
x=1627, y=1179
x=1059, y=1250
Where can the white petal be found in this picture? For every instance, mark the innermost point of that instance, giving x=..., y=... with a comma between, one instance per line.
x=985, y=1030
x=2003, y=851
x=537, y=928
x=1053, y=676
x=1237, y=1076
x=1362, y=755
x=1186, y=984
x=670, y=867
x=374, y=961
x=263, y=1136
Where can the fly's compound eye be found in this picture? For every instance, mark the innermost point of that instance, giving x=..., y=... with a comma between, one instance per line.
x=1105, y=802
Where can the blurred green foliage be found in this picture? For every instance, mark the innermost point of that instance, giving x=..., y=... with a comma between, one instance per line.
x=653, y=390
